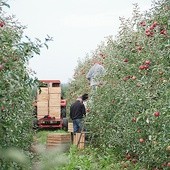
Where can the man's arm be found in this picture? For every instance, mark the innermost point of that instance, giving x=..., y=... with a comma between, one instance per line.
x=90, y=73
x=71, y=112
x=103, y=70
x=83, y=110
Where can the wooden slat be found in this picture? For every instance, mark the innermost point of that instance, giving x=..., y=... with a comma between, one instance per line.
x=55, y=111
x=42, y=111
x=44, y=90
x=54, y=102
x=55, y=96
x=58, y=139
x=78, y=136
x=54, y=89
x=55, y=99
x=56, y=142
x=66, y=146
x=70, y=127
x=42, y=104
x=42, y=97
x=59, y=136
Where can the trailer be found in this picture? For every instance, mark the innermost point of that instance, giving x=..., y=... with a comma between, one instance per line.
x=50, y=106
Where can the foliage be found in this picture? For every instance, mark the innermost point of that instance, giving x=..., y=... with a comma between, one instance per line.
x=17, y=84
x=90, y=159
x=129, y=113
x=64, y=88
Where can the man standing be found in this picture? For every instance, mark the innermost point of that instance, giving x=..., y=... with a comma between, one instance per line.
x=77, y=112
x=96, y=70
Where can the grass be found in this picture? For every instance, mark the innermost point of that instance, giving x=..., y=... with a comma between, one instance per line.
x=41, y=135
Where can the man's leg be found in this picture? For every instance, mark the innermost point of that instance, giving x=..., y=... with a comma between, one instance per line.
x=75, y=126
x=80, y=124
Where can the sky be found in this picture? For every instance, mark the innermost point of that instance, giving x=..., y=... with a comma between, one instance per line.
x=76, y=26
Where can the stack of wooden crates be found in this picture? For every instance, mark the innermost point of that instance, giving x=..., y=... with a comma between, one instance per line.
x=49, y=102
x=58, y=140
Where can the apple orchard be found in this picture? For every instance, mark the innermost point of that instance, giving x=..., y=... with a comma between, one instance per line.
x=130, y=111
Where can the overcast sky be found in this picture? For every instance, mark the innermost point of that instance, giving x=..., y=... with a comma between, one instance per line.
x=77, y=27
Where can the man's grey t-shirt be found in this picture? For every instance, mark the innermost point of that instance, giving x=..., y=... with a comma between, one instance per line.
x=94, y=72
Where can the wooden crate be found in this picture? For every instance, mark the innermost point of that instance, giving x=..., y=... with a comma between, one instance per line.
x=42, y=97
x=55, y=96
x=55, y=99
x=44, y=90
x=55, y=111
x=41, y=112
x=42, y=104
x=55, y=103
x=55, y=140
x=79, y=140
x=70, y=127
x=39, y=116
x=54, y=90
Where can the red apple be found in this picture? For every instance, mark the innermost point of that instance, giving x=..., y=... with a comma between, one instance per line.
x=151, y=34
x=156, y=114
x=125, y=78
x=143, y=23
x=164, y=32
x=151, y=27
x=87, y=110
x=146, y=66
x=139, y=48
x=142, y=67
x=125, y=60
x=155, y=23
x=147, y=32
x=133, y=77
x=128, y=156
x=2, y=24
x=141, y=140
x=134, y=119
x=147, y=62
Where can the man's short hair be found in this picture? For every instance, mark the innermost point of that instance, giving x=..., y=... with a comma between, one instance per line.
x=85, y=96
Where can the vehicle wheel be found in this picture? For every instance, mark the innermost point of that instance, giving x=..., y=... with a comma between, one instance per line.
x=35, y=124
x=63, y=112
x=65, y=124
